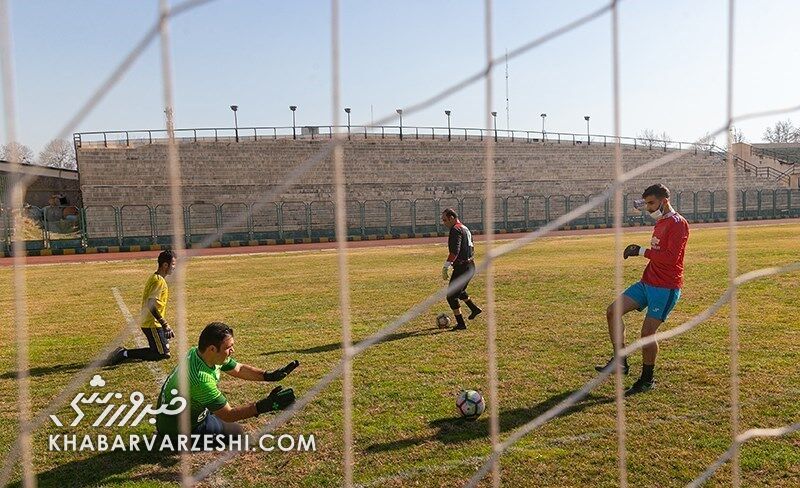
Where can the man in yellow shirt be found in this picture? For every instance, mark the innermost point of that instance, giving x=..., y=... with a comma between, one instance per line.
x=154, y=325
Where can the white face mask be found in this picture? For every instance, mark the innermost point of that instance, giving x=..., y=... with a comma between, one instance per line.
x=639, y=204
x=658, y=213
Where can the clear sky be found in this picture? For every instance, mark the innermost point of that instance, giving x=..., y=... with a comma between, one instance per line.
x=265, y=55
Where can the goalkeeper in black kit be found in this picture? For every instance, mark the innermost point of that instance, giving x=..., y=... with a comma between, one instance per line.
x=461, y=260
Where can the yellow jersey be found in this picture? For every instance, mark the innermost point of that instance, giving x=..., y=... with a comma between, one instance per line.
x=156, y=287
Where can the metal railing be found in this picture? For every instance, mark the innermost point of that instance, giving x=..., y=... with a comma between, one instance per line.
x=780, y=157
x=242, y=134
x=766, y=172
x=312, y=132
x=144, y=225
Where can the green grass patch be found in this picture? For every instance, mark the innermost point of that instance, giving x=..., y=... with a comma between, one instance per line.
x=551, y=300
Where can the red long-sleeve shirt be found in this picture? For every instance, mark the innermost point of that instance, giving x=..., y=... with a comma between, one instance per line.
x=667, y=248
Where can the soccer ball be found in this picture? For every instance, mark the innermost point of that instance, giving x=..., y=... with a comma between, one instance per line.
x=443, y=321
x=470, y=404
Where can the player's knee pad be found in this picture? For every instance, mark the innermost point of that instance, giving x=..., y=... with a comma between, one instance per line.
x=453, y=301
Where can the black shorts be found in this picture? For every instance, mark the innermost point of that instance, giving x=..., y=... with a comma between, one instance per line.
x=459, y=270
x=157, y=340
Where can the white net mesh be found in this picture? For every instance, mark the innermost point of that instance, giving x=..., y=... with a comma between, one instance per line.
x=22, y=449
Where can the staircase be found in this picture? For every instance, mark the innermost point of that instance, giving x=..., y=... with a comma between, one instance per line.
x=766, y=172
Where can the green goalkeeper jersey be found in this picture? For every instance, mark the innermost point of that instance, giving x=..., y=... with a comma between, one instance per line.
x=204, y=394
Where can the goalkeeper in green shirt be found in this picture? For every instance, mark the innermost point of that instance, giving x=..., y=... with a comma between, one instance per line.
x=210, y=411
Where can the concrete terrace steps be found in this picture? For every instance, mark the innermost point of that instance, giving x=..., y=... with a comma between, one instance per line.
x=227, y=172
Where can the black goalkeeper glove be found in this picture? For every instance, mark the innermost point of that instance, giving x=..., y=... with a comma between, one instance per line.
x=281, y=373
x=278, y=399
x=632, y=250
x=168, y=332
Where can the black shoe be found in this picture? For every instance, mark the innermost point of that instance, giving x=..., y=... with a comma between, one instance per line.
x=475, y=312
x=459, y=327
x=115, y=357
x=609, y=365
x=640, y=386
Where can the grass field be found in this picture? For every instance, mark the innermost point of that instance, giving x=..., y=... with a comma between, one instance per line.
x=551, y=300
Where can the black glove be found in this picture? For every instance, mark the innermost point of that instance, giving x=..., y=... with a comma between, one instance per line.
x=281, y=373
x=632, y=250
x=278, y=399
x=168, y=332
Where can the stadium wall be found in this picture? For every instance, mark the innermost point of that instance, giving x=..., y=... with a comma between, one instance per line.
x=225, y=172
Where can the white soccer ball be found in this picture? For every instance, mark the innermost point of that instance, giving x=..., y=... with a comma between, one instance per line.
x=443, y=321
x=470, y=404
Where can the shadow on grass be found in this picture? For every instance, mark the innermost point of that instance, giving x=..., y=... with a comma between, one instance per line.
x=111, y=468
x=46, y=370
x=335, y=346
x=453, y=430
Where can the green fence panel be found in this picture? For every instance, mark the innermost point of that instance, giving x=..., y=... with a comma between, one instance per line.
x=794, y=203
x=355, y=218
x=401, y=216
x=782, y=205
x=323, y=218
x=136, y=225
x=294, y=220
x=472, y=212
x=556, y=207
x=516, y=212
x=376, y=217
x=5, y=221
x=499, y=213
x=537, y=211
x=751, y=203
x=235, y=220
x=719, y=201
x=426, y=216
x=265, y=220
x=162, y=223
x=574, y=201
x=599, y=214
x=768, y=210
x=103, y=226
x=202, y=222
x=704, y=204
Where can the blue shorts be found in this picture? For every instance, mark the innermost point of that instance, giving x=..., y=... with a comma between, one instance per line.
x=658, y=301
x=210, y=425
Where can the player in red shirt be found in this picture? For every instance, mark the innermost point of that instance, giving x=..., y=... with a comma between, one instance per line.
x=660, y=286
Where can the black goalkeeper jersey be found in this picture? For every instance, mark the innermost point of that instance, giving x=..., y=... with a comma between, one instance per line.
x=460, y=244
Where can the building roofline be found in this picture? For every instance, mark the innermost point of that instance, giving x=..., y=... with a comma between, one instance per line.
x=36, y=170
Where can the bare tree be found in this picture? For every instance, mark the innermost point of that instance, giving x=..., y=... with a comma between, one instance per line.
x=782, y=131
x=649, y=137
x=738, y=135
x=706, y=143
x=15, y=149
x=58, y=153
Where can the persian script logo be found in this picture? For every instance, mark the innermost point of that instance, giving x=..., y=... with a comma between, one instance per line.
x=122, y=413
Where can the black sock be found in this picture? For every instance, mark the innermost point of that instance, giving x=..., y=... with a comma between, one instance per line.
x=460, y=320
x=647, y=372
